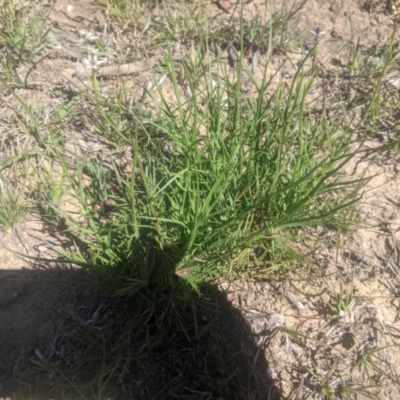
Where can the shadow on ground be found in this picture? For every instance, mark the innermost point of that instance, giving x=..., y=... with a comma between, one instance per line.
x=57, y=342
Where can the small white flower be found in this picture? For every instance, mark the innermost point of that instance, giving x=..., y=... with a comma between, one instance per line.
x=92, y=50
x=92, y=62
x=87, y=36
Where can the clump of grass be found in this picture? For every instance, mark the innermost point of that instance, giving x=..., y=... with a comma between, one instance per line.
x=12, y=207
x=207, y=182
x=48, y=193
x=126, y=11
x=380, y=95
x=172, y=24
x=22, y=29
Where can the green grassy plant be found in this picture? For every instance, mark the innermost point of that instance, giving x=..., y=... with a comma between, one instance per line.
x=344, y=304
x=22, y=30
x=207, y=182
x=125, y=10
x=192, y=25
x=12, y=207
x=371, y=362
